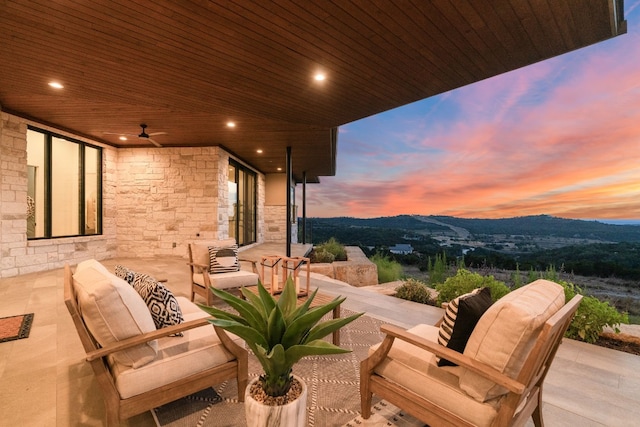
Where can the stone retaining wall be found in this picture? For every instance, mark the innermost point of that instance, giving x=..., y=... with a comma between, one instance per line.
x=357, y=271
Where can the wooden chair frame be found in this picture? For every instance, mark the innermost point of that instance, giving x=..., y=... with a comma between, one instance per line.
x=118, y=409
x=205, y=291
x=525, y=390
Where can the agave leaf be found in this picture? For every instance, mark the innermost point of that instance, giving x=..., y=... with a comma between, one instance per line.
x=276, y=327
x=247, y=333
x=274, y=362
x=266, y=298
x=317, y=347
x=288, y=299
x=255, y=301
x=304, y=307
x=221, y=314
x=244, y=308
x=301, y=325
x=323, y=329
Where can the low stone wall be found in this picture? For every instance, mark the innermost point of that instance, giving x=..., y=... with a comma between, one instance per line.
x=357, y=271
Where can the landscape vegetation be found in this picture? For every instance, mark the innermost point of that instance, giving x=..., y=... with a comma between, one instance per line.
x=602, y=260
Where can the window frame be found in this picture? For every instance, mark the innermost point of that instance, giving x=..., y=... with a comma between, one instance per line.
x=240, y=168
x=82, y=185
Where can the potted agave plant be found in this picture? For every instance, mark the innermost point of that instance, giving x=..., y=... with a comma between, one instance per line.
x=279, y=333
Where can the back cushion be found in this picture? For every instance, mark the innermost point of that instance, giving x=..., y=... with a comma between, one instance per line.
x=113, y=311
x=200, y=249
x=507, y=332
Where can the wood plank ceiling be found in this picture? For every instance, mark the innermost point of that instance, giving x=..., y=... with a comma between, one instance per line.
x=188, y=67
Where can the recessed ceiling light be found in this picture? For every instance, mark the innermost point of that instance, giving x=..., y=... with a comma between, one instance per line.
x=279, y=169
x=259, y=151
x=231, y=124
x=56, y=85
x=320, y=77
x=123, y=138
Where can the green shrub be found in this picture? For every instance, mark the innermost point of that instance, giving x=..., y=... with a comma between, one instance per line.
x=415, y=290
x=465, y=281
x=388, y=269
x=592, y=316
x=334, y=247
x=323, y=256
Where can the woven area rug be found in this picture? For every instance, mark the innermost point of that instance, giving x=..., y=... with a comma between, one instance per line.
x=332, y=381
x=15, y=327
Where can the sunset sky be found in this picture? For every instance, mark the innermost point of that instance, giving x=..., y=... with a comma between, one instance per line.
x=561, y=137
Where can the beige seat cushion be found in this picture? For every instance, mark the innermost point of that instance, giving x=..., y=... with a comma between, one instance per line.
x=506, y=333
x=229, y=280
x=178, y=357
x=417, y=370
x=113, y=311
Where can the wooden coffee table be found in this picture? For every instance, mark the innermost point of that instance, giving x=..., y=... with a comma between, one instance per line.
x=320, y=299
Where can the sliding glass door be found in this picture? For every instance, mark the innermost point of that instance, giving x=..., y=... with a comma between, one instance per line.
x=242, y=203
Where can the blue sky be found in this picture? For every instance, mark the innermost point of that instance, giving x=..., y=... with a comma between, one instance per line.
x=561, y=137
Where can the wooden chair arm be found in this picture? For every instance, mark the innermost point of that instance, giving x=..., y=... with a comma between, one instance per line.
x=455, y=357
x=143, y=338
x=199, y=267
x=254, y=264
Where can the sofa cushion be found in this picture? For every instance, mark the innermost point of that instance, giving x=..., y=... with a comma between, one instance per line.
x=178, y=357
x=223, y=259
x=460, y=318
x=507, y=332
x=113, y=311
x=416, y=370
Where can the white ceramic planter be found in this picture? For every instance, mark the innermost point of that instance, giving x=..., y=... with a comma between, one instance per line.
x=293, y=414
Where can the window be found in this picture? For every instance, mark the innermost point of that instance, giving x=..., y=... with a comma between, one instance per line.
x=64, y=186
x=242, y=203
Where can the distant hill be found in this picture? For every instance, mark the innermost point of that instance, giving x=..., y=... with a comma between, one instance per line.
x=545, y=225
x=531, y=226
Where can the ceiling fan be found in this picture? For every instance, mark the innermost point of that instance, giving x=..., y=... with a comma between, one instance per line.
x=142, y=135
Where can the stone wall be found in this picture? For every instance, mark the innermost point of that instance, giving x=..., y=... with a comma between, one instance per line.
x=20, y=256
x=167, y=196
x=154, y=201
x=357, y=271
x=275, y=223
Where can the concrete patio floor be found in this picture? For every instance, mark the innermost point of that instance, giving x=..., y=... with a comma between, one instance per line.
x=44, y=380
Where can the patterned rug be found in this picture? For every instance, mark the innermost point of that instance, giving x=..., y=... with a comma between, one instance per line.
x=15, y=327
x=332, y=381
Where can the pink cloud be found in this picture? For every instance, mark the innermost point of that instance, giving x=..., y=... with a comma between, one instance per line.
x=561, y=137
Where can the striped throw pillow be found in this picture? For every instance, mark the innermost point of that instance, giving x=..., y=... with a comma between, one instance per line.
x=460, y=318
x=223, y=259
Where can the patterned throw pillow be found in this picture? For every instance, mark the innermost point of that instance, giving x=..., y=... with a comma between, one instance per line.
x=223, y=259
x=162, y=304
x=124, y=273
x=460, y=318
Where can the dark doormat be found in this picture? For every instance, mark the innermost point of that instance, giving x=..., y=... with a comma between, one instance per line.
x=15, y=327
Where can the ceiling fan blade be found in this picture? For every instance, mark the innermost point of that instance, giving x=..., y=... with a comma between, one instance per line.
x=157, y=133
x=157, y=144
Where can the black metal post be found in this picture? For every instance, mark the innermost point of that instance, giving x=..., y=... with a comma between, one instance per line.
x=289, y=180
x=304, y=207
